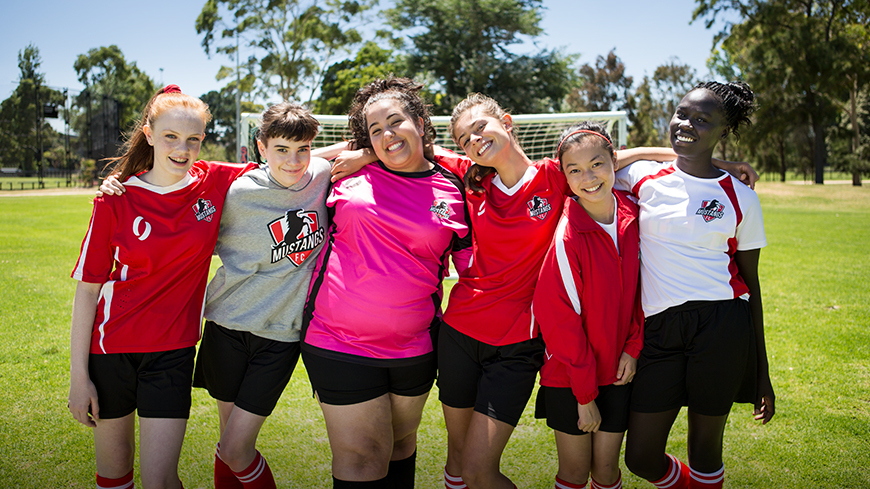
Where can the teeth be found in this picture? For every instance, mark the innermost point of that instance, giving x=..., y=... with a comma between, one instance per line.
x=178, y=160
x=685, y=139
x=484, y=148
x=593, y=189
x=394, y=146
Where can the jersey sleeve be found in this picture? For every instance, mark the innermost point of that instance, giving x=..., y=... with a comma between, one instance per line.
x=95, y=261
x=557, y=310
x=750, y=231
x=226, y=173
x=556, y=175
x=454, y=162
x=628, y=178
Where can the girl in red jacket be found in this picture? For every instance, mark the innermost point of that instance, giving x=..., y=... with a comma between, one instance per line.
x=587, y=305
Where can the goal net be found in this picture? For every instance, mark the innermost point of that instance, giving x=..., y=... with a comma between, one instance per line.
x=538, y=133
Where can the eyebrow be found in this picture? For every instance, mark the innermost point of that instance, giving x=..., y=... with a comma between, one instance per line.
x=393, y=114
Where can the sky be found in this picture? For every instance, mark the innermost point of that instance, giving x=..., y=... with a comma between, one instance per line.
x=162, y=36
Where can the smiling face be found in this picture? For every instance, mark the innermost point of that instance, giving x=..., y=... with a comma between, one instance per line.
x=176, y=136
x=396, y=136
x=698, y=124
x=481, y=135
x=287, y=159
x=589, y=168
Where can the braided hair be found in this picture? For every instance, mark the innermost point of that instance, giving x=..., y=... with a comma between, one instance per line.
x=736, y=100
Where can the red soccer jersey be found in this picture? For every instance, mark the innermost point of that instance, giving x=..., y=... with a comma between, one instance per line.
x=511, y=229
x=151, y=249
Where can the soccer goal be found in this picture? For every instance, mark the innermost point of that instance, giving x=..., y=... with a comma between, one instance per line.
x=538, y=133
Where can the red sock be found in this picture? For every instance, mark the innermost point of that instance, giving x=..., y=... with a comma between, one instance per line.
x=125, y=482
x=677, y=476
x=561, y=484
x=258, y=475
x=713, y=480
x=453, y=481
x=615, y=485
x=224, y=478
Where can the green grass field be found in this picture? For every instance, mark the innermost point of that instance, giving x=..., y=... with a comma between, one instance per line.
x=815, y=276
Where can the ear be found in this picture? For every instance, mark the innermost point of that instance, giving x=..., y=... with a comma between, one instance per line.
x=261, y=147
x=615, y=160
x=148, y=136
x=420, y=127
x=724, y=134
x=508, y=122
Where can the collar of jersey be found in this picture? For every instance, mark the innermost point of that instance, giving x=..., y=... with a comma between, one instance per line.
x=530, y=173
x=135, y=181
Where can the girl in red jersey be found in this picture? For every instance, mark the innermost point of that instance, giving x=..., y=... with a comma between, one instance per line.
x=701, y=235
x=137, y=309
x=587, y=302
x=489, y=349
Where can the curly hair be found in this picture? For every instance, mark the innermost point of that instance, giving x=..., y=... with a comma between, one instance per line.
x=736, y=100
x=405, y=91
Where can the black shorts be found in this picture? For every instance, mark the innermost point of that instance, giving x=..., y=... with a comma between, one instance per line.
x=559, y=406
x=495, y=380
x=244, y=369
x=698, y=354
x=155, y=384
x=341, y=379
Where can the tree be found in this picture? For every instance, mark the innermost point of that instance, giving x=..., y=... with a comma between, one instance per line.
x=106, y=73
x=655, y=101
x=20, y=115
x=805, y=47
x=464, y=45
x=221, y=130
x=293, y=40
x=343, y=79
x=603, y=87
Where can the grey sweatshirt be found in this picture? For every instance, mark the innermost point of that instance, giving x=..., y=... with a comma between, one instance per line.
x=270, y=237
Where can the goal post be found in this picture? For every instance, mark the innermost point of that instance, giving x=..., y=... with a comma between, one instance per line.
x=538, y=133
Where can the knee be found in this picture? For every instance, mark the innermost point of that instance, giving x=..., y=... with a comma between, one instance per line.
x=643, y=464
x=405, y=447
x=236, y=456
x=368, y=459
x=605, y=472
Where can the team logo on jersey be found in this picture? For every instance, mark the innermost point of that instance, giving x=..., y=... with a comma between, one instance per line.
x=538, y=207
x=711, y=209
x=440, y=209
x=203, y=209
x=295, y=235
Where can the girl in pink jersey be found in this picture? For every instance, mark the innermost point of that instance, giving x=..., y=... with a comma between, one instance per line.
x=142, y=275
x=374, y=304
x=701, y=234
x=587, y=301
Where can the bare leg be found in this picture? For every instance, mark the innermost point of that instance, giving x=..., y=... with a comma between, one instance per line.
x=484, y=444
x=647, y=439
x=115, y=446
x=239, y=431
x=575, y=457
x=457, y=421
x=160, y=441
x=605, y=456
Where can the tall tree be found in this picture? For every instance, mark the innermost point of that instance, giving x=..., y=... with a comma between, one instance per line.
x=805, y=47
x=343, y=79
x=106, y=73
x=602, y=87
x=293, y=41
x=22, y=112
x=221, y=130
x=464, y=45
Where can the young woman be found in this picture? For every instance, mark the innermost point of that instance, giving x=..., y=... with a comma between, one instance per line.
x=375, y=298
x=142, y=276
x=701, y=233
x=588, y=306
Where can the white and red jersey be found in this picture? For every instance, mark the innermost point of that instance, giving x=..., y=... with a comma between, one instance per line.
x=587, y=299
x=690, y=228
x=512, y=229
x=377, y=288
x=151, y=249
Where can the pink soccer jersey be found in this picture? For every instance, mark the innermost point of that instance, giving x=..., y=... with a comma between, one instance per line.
x=378, y=285
x=690, y=229
x=151, y=249
x=512, y=229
